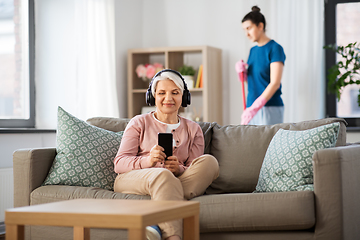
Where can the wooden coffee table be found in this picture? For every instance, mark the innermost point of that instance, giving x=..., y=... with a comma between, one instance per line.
x=83, y=214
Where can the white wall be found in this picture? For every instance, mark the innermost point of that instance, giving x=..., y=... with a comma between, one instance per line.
x=9, y=142
x=352, y=137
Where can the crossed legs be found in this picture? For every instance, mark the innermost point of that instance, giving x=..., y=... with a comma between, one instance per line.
x=161, y=184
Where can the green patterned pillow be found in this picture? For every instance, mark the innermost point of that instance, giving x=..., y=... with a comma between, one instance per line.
x=288, y=160
x=85, y=154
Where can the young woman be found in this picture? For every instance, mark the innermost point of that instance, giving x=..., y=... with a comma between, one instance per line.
x=141, y=163
x=265, y=66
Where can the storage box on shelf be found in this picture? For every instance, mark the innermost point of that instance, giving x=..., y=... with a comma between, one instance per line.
x=206, y=101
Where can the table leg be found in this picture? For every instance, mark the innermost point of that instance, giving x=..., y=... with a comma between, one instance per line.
x=15, y=232
x=191, y=228
x=81, y=233
x=136, y=233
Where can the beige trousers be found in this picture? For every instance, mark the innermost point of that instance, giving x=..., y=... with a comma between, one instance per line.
x=161, y=184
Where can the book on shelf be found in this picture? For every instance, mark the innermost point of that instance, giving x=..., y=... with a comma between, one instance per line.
x=199, y=77
x=201, y=80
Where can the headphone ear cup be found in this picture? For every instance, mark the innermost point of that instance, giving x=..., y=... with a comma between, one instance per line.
x=186, y=98
x=150, y=100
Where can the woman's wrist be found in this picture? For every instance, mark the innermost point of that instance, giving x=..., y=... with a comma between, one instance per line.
x=259, y=103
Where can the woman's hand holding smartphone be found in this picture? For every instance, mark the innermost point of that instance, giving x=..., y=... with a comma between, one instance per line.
x=165, y=140
x=160, y=152
x=157, y=155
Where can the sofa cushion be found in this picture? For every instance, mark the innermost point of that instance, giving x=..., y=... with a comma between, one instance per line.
x=257, y=211
x=108, y=123
x=54, y=193
x=207, y=129
x=85, y=154
x=240, y=151
x=288, y=161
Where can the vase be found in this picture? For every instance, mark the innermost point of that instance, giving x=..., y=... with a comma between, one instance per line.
x=189, y=80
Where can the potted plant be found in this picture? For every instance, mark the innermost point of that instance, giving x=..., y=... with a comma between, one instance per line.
x=188, y=73
x=347, y=70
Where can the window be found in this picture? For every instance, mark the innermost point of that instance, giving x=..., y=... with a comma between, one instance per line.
x=341, y=27
x=17, y=63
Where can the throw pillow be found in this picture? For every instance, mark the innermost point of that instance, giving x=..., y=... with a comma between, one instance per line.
x=288, y=160
x=85, y=154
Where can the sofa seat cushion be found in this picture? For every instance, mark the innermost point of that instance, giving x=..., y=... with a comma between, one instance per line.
x=54, y=193
x=257, y=211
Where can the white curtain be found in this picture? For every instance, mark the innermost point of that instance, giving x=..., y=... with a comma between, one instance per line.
x=95, y=65
x=75, y=59
x=299, y=27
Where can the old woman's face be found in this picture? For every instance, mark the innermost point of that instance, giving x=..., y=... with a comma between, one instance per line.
x=168, y=97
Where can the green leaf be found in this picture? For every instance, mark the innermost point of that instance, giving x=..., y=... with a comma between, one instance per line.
x=349, y=65
x=343, y=77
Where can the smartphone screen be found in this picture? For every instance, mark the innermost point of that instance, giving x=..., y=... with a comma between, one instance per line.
x=166, y=140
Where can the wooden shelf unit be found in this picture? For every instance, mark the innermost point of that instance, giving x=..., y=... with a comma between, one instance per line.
x=206, y=100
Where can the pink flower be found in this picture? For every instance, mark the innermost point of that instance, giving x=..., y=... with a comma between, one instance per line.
x=150, y=71
x=158, y=67
x=141, y=71
x=147, y=72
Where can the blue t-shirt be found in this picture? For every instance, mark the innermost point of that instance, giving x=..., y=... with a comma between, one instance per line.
x=259, y=71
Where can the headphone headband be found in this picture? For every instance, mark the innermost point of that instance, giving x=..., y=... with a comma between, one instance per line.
x=169, y=70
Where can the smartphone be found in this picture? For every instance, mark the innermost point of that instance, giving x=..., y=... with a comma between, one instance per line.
x=166, y=140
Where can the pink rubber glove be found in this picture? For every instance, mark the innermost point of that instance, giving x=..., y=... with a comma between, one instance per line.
x=240, y=67
x=250, y=112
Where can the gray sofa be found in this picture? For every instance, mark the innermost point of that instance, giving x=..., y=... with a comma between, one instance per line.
x=229, y=208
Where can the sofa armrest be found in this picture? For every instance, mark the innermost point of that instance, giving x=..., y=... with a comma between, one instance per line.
x=337, y=191
x=31, y=167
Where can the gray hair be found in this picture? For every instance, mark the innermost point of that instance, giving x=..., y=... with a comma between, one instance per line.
x=167, y=76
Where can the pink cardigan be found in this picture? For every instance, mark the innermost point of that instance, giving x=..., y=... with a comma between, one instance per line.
x=141, y=135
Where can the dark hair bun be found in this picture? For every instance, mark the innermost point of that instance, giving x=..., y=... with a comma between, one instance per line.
x=255, y=9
